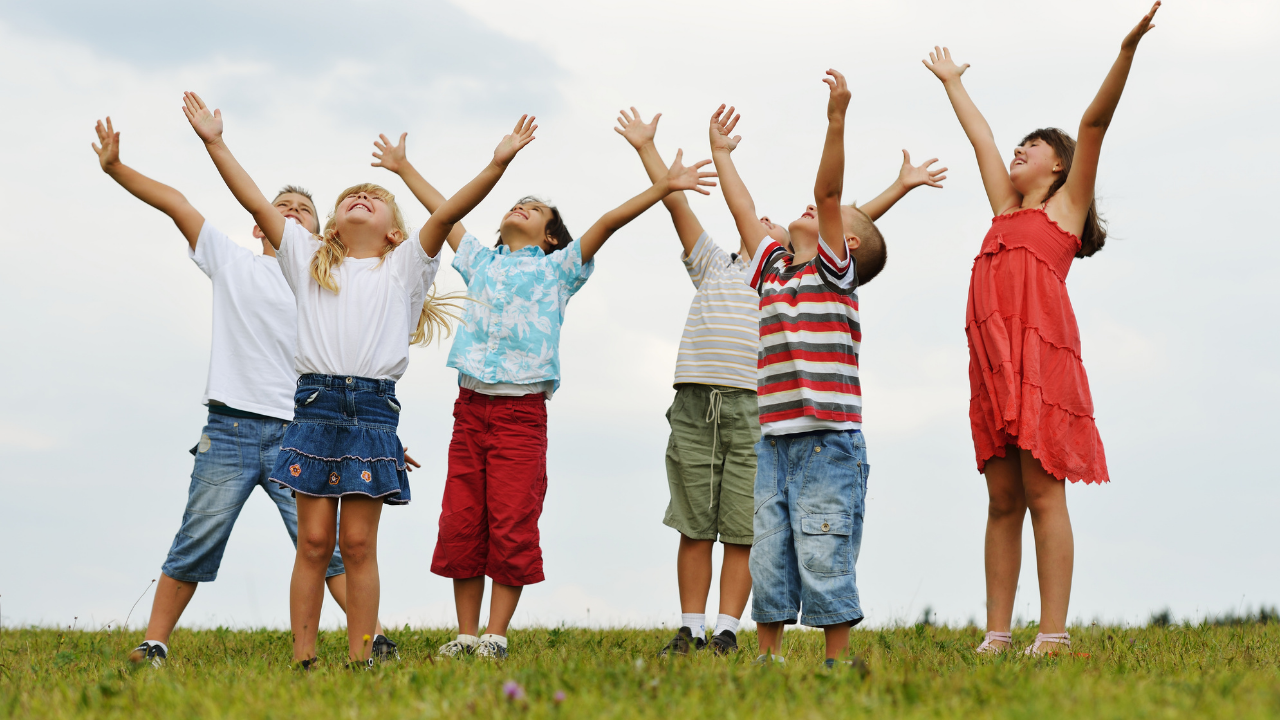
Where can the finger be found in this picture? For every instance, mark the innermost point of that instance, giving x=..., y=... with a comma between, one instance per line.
x=519, y=124
x=707, y=183
x=906, y=157
x=964, y=67
x=702, y=163
x=95, y=147
x=939, y=171
x=702, y=191
x=939, y=179
x=382, y=140
x=622, y=117
x=110, y=130
x=679, y=157
x=737, y=139
x=715, y=116
x=619, y=131
x=635, y=113
x=732, y=124
x=403, y=135
x=199, y=102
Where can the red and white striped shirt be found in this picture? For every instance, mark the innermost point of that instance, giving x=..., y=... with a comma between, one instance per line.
x=807, y=373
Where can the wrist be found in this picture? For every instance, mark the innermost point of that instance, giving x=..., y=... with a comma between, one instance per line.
x=403, y=167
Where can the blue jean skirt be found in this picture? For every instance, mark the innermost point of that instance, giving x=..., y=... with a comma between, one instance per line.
x=343, y=441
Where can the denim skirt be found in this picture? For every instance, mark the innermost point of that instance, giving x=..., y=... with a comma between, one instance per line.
x=343, y=441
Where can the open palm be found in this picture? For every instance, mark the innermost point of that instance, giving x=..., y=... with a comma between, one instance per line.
x=911, y=176
x=680, y=177
x=208, y=125
x=389, y=156
x=108, y=145
x=511, y=144
x=941, y=64
x=636, y=131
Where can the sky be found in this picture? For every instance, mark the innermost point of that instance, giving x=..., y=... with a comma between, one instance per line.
x=106, y=323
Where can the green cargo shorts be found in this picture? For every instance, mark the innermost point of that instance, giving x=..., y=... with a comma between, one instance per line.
x=711, y=462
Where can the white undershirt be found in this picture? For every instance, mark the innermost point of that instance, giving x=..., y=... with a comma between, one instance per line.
x=546, y=387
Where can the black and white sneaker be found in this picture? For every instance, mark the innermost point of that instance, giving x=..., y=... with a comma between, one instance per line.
x=384, y=650
x=151, y=652
x=724, y=643
x=682, y=643
x=491, y=649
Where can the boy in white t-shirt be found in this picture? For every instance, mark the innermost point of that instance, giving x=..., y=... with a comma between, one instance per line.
x=249, y=395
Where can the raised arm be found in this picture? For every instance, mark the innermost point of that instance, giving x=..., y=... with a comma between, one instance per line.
x=394, y=158
x=829, y=185
x=677, y=178
x=156, y=194
x=995, y=176
x=208, y=125
x=909, y=177
x=441, y=223
x=640, y=134
x=736, y=196
x=1078, y=189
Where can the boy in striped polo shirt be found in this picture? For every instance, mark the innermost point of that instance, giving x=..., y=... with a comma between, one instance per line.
x=811, y=477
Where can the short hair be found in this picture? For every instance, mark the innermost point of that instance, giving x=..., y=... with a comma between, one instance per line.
x=299, y=190
x=871, y=254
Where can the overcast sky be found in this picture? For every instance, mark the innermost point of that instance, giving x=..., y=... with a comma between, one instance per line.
x=106, y=322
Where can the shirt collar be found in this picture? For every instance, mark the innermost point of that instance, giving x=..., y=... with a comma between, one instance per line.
x=533, y=250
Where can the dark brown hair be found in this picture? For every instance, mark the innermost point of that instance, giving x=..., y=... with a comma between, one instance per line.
x=1094, y=235
x=556, y=228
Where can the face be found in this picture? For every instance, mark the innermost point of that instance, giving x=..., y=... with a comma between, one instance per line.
x=298, y=207
x=530, y=220
x=364, y=209
x=1033, y=161
x=806, y=223
x=776, y=231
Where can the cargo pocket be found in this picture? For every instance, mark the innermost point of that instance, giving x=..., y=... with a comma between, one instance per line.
x=824, y=546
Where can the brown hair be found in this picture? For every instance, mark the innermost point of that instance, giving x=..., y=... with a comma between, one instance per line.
x=872, y=253
x=299, y=190
x=1094, y=235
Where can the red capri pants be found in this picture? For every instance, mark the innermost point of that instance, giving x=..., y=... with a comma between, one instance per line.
x=493, y=495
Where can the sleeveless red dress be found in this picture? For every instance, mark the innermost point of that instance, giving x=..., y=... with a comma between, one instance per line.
x=1028, y=385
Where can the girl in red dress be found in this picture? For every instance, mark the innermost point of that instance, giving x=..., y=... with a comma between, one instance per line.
x=1030, y=408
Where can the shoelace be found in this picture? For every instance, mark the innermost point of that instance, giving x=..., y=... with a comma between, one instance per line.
x=1041, y=638
x=994, y=637
x=713, y=416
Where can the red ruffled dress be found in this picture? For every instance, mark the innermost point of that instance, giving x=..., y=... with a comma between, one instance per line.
x=1028, y=385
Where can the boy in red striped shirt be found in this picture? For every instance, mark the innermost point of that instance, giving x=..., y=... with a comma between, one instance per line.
x=811, y=475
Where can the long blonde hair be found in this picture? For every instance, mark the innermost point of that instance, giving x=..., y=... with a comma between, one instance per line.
x=437, y=310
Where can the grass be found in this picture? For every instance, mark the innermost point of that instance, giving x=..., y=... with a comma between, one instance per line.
x=1162, y=671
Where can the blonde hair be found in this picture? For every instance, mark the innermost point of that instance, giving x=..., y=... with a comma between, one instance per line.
x=872, y=254
x=437, y=310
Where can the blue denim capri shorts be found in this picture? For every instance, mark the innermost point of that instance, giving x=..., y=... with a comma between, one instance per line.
x=343, y=441
x=810, y=498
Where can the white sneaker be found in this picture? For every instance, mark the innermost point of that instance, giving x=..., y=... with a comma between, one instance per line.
x=490, y=648
x=464, y=645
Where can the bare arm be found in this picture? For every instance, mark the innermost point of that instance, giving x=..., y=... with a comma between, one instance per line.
x=208, y=125
x=995, y=177
x=829, y=185
x=909, y=177
x=394, y=158
x=736, y=196
x=1078, y=189
x=441, y=223
x=677, y=178
x=640, y=134
x=156, y=194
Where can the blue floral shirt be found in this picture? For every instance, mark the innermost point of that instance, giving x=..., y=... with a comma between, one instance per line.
x=510, y=332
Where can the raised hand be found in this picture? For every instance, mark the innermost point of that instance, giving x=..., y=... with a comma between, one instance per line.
x=680, y=177
x=511, y=144
x=840, y=95
x=722, y=124
x=941, y=64
x=389, y=156
x=636, y=131
x=1144, y=26
x=911, y=176
x=208, y=125
x=109, y=150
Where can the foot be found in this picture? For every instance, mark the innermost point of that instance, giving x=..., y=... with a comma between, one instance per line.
x=770, y=658
x=1049, y=644
x=682, y=643
x=385, y=650
x=463, y=646
x=307, y=665
x=724, y=643
x=153, y=653
x=489, y=648
x=994, y=643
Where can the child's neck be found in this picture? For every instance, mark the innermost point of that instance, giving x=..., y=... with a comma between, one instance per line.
x=361, y=245
x=804, y=248
x=518, y=241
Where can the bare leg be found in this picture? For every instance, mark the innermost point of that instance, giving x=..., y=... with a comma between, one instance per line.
x=468, y=594
x=693, y=573
x=170, y=600
x=358, y=540
x=502, y=605
x=1055, y=545
x=770, y=636
x=317, y=531
x=735, y=580
x=837, y=637
x=338, y=589
x=1005, y=512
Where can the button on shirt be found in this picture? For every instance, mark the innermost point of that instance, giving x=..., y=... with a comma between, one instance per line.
x=510, y=332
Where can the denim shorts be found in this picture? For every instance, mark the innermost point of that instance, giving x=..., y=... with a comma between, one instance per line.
x=809, y=504
x=342, y=440
x=234, y=456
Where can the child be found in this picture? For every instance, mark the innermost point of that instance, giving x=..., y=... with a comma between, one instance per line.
x=811, y=474
x=715, y=424
x=507, y=356
x=1030, y=408
x=250, y=380
x=362, y=298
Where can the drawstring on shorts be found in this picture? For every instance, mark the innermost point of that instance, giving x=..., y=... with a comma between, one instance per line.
x=713, y=416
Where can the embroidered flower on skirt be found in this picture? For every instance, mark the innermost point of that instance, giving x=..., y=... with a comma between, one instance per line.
x=344, y=428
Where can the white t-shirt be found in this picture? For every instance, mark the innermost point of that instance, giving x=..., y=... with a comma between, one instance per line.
x=364, y=329
x=255, y=327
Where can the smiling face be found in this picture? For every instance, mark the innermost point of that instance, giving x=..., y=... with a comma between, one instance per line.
x=363, y=209
x=1035, y=164
x=806, y=224
x=298, y=207
x=526, y=224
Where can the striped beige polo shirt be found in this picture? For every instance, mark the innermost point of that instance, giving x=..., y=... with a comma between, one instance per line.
x=721, y=340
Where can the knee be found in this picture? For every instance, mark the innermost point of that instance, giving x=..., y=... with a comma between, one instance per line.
x=315, y=546
x=1049, y=501
x=357, y=548
x=1006, y=506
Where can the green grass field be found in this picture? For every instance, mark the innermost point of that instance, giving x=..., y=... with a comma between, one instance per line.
x=1155, y=672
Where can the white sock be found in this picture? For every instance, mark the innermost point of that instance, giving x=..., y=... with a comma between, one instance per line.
x=469, y=640
x=499, y=639
x=726, y=622
x=697, y=622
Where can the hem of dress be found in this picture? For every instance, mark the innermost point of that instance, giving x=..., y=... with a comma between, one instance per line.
x=1065, y=476
x=387, y=498
x=322, y=458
